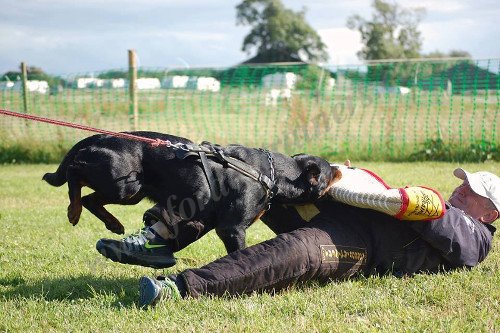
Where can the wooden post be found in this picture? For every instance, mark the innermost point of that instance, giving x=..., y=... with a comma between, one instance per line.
x=320, y=82
x=24, y=78
x=415, y=84
x=132, y=77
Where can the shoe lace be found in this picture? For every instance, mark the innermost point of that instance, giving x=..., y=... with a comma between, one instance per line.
x=170, y=290
x=136, y=234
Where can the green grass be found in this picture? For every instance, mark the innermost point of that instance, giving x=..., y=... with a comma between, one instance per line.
x=52, y=279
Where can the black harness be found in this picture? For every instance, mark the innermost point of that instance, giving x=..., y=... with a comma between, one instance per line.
x=216, y=152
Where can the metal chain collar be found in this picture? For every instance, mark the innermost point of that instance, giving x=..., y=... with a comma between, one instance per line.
x=271, y=164
x=270, y=159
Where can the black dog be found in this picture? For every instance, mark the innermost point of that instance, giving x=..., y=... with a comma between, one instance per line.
x=124, y=171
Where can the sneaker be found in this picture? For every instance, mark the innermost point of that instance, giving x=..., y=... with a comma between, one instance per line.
x=151, y=291
x=143, y=248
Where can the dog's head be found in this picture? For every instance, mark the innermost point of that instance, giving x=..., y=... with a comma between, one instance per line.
x=316, y=176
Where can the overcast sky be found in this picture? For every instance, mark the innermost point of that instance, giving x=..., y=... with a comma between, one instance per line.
x=69, y=36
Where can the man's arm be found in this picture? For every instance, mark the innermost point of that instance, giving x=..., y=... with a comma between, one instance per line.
x=460, y=239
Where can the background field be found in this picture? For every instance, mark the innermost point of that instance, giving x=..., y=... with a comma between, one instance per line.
x=52, y=279
x=450, y=113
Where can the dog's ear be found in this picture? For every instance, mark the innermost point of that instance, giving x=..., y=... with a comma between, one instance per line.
x=310, y=168
x=312, y=172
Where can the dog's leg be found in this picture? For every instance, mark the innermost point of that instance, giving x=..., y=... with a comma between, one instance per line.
x=95, y=204
x=75, y=195
x=233, y=238
x=237, y=217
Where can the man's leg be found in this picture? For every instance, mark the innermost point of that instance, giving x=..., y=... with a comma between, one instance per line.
x=320, y=252
x=178, y=234
x=168, y=235
x=154, y=245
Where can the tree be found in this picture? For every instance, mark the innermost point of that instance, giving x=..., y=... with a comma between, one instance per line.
x=449, y=60
x=452, y=54
x=33, y=73
x=392, y=33
x=279, y=34
x=459, y=54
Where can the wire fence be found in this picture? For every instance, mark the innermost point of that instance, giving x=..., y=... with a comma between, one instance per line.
x=392, y=111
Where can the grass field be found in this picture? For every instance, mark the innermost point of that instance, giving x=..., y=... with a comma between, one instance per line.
x=52, y=279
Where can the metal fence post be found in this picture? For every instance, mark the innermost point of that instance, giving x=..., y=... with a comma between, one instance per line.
x=133, y=105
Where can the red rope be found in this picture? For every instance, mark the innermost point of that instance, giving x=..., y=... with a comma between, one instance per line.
x=153, y=142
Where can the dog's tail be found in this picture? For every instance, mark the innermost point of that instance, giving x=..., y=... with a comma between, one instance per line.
x=55, y=178
x=58, y=178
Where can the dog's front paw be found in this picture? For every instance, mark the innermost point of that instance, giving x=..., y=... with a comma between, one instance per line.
x=117, y=228
x=74, y=214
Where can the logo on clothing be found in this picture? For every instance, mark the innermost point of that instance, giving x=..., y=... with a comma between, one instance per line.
x=343, y=254
x=470, y=224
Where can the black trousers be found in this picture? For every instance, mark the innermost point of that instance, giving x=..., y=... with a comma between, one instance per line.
x=320, y=251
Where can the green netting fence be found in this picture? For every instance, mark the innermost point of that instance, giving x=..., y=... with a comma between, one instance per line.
x=383, y=111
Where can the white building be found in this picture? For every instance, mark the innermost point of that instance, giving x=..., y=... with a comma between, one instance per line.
x=175, y=82
x=147, y=83
x=280, y=80
x=278, y=87
x=203, y=83
x=115, y=83
x=399, y=90
x=6, y=85
x=274, y=95
x=88, y=82
x=36, y=86
x=330, y=83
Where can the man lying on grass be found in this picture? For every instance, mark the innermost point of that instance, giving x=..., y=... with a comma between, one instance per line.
x=336, y=242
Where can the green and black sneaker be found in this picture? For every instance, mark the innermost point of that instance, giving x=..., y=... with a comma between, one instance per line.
x=151, y=291
x=144, y=248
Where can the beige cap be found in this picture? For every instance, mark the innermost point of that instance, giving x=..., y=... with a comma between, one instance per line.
x=483, y=183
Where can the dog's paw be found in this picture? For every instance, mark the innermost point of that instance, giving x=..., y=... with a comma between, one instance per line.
x=74, y=214
x=116, y=228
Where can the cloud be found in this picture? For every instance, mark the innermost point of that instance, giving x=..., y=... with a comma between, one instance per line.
x=468, y=33
x=63, y=36
x=342, y=44
x=442, y=6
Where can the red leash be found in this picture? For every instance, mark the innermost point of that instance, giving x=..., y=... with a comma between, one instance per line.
x=153, y=142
